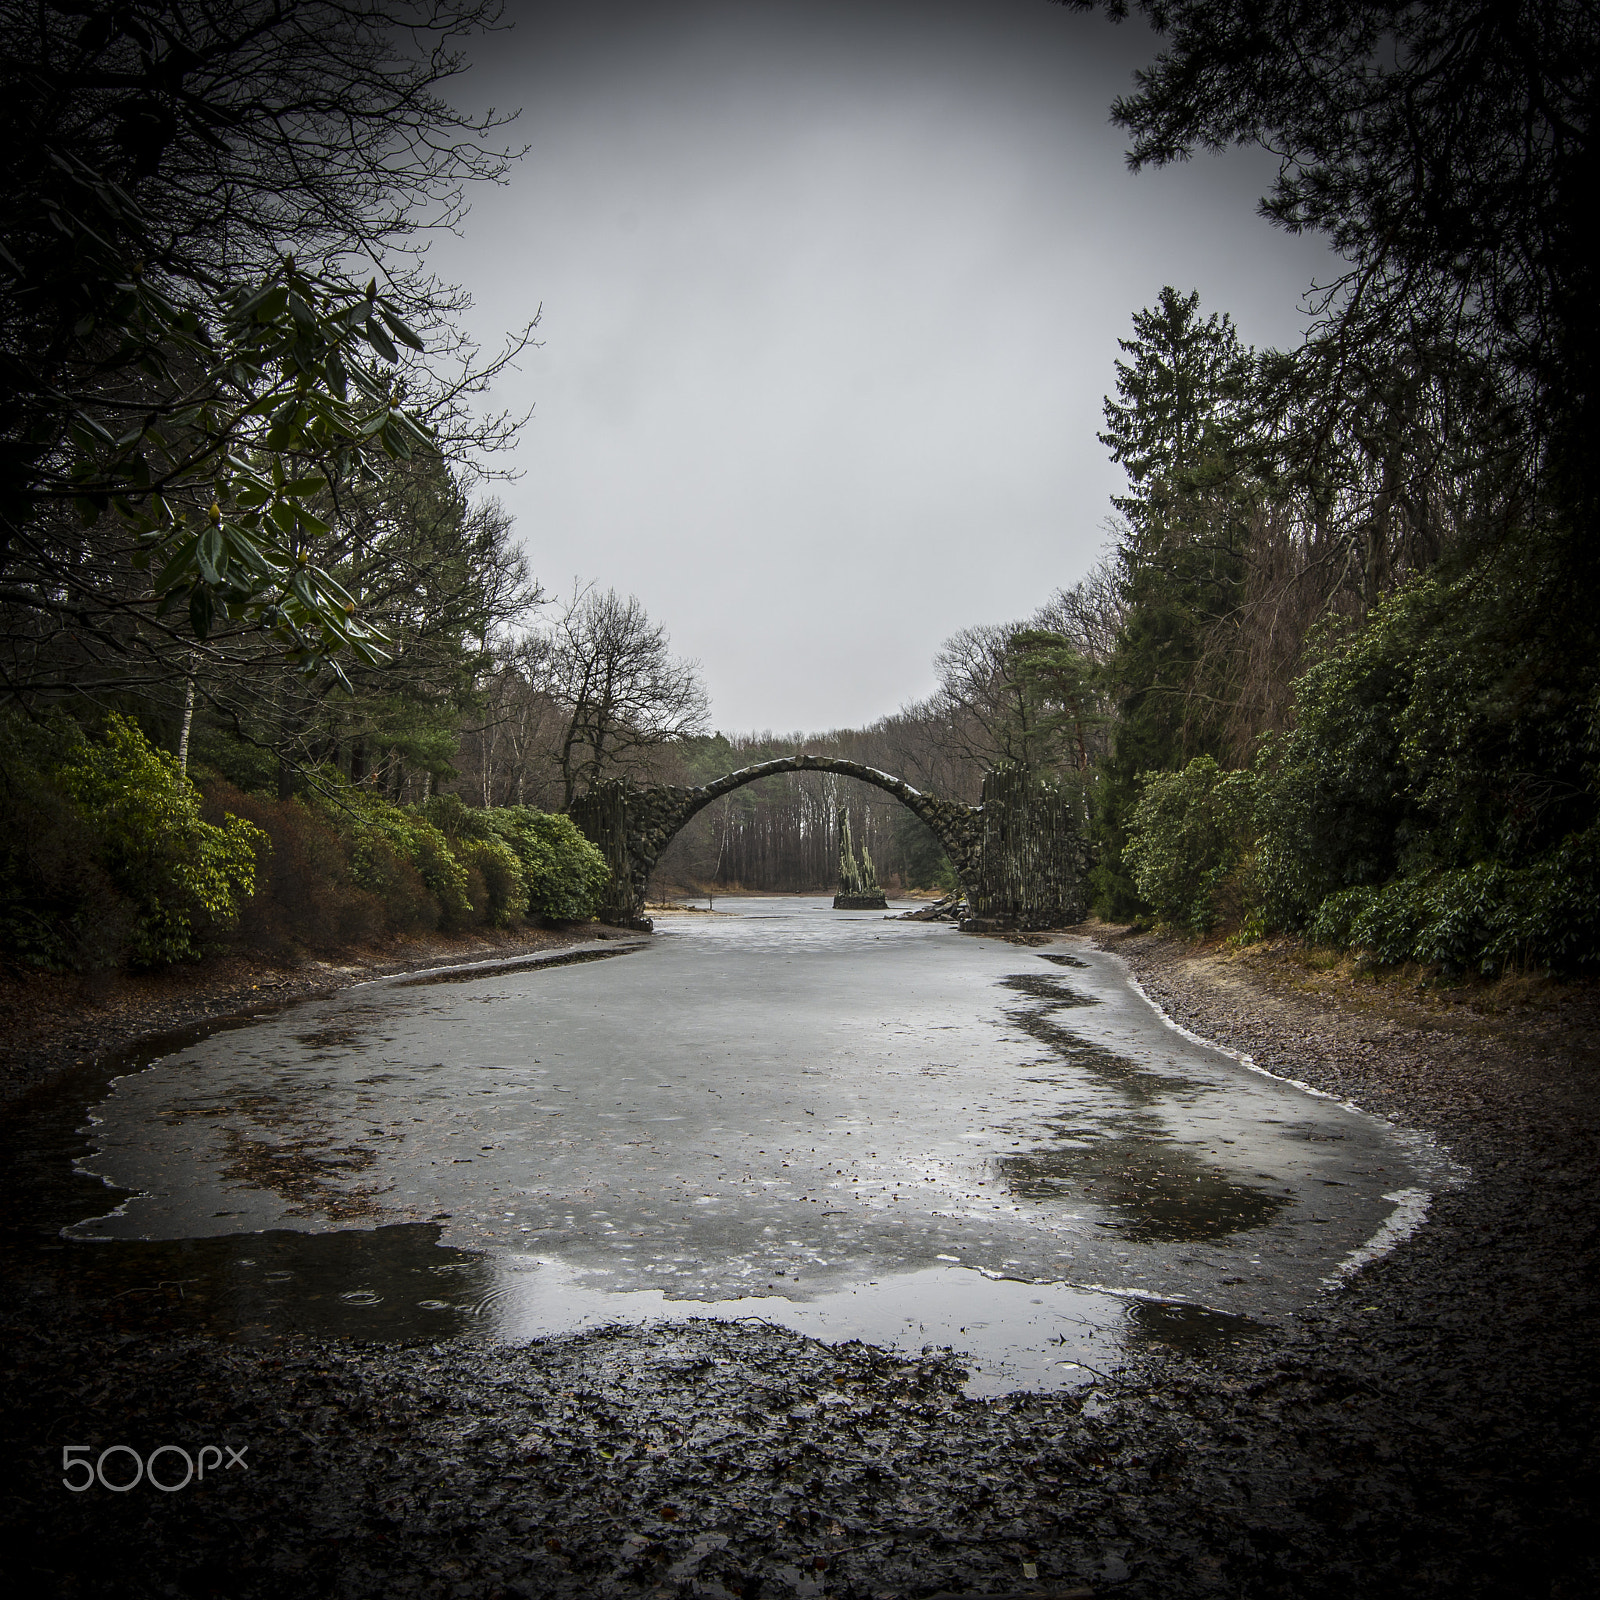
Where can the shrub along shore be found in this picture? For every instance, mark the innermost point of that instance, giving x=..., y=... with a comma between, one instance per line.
x=114, y=858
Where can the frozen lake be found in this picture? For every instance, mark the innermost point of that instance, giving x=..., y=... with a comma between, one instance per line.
x=852, y=1126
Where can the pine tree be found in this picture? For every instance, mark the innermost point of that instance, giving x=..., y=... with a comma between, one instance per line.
x=1173, y=425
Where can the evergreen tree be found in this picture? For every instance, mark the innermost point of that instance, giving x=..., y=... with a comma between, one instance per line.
x=1174, y=425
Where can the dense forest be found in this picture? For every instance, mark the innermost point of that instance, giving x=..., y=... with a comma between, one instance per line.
x=274, y=667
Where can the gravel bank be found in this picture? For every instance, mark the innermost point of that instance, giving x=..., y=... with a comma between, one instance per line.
x=1428, y=1430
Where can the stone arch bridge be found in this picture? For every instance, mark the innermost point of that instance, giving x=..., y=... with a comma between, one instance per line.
x=1020, y=853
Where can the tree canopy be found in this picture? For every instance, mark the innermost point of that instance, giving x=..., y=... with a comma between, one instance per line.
x=194, y=378
x=1446, y=150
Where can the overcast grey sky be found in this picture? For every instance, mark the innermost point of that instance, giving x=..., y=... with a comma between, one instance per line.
x=831, y=296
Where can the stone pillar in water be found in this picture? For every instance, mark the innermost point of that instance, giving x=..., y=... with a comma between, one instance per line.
x=1033, y=860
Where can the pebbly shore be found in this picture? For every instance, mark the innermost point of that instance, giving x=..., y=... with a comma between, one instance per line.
x=1428, y=1429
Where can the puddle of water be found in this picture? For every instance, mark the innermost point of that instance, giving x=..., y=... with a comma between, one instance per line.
x=1158, y=1193
x=1054, y=993
x=1191, y=1329
x=1009, y=1334
x=399, y=1285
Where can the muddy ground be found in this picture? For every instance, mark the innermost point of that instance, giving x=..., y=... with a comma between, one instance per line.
x=1430, y=1430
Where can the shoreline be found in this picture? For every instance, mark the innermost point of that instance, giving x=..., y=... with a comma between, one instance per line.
x=1426, y=1429
x=52, y=1022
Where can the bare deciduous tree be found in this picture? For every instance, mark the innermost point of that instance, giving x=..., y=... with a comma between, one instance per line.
x=508, y=758
x=1091, y=612
x=623, y=691
x=986, y=709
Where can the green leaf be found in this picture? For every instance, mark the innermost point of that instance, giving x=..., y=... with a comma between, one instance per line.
x=333, y=622
x=331, y=586
x=282, y=424
x=401, y=331
x=247, y=550
x=265, y=303
x=405, y=420
x=81, y=419
x=260, y=408
x=379, y=341
x=246, y=472
x=202, y=609
x=369, y=385
x=211, y=556
x=177, y=565
x=395, y=443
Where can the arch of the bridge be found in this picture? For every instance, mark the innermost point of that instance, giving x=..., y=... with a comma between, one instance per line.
x=951, y=822
x=1021, y=855
x=634, y=825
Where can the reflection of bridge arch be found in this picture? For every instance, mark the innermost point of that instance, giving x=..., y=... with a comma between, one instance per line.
x=1019, y=853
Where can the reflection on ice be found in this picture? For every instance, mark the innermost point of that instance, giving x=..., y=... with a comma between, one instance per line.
x=1011, y=1334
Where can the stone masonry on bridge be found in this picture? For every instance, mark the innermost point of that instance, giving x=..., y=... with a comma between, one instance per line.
x=1020, y=854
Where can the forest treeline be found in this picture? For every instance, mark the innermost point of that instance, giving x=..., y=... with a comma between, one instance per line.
x=251, y=579
x=276, y=669
x=1339, y=673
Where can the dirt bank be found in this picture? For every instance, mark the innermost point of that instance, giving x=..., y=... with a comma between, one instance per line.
x=1427, y=1431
